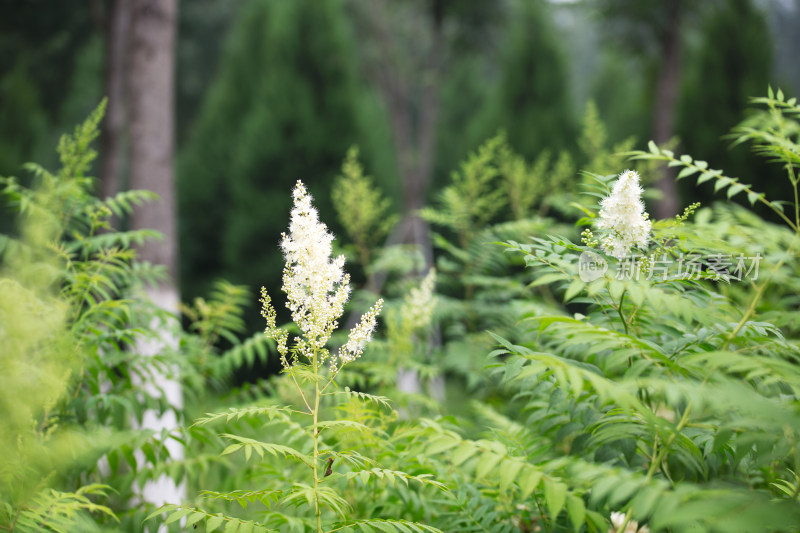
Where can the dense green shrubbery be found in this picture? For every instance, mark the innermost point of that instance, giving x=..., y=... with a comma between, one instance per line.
x=71, y=378
x=661, y=391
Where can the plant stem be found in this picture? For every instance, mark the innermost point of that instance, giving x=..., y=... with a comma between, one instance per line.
x=317, y=510
x=621, y=316
x=793, y=179
x=657, y=457
x=759, y=292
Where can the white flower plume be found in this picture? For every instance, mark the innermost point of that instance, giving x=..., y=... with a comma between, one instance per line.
x=623, y=218
x=420, y=302
x=316, y=287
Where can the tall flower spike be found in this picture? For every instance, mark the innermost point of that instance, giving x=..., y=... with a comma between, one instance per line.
x=316, y=288
x=315, y=285
x=623, y=218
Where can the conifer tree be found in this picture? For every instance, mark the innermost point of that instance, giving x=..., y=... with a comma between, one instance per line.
x=731, y=65
x=532, y=104
x=283, y=107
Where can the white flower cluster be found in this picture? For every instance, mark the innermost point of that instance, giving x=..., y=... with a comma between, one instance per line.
x=359, y=336
x=420, y=301
x=316, y=287
x=617, y=519
x=623, y=218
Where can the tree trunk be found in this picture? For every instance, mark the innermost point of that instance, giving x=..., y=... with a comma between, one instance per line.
x=414, y=147
x=151, y=105
x=151, y=88
x=117, y=32
x=666, y=99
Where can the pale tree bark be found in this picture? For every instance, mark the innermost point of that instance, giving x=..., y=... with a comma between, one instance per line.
x=413, y=112
x=666, y=100
x=117, y=31
x=151, y=113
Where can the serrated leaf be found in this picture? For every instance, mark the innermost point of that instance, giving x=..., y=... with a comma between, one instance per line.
x=735, y=189
x=195, y=517
x=704, y=177
x=555, y=495
x=508, y=472
x=214, y=522
x=548, y=278
x=576, y=510
x=486, y=463
x=231, y=448
x=528, y=481
x=573, y=290
x=177, y=515
x=721, y=183
x=441, y=444
x=161, y=510
x=462, y=453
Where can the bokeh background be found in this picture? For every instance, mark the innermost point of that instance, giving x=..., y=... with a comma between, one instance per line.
x=270, y=91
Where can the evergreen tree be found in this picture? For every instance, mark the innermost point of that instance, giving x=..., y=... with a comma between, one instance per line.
x=39, y=52
x=285, y=106
x=732, y=63
x=532, y=103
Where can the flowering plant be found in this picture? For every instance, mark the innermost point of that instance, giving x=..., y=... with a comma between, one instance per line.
x=317, y=289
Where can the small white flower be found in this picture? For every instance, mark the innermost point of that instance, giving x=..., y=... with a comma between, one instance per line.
x=617, y=519
x=623, y=218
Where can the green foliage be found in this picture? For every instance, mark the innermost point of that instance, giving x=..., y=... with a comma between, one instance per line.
x=722, y=71
x=362, y=210
x=662, y=396
x=303, y=494
x=665, y=397
x=593, y=143
x=71, y=387
x=65, y=316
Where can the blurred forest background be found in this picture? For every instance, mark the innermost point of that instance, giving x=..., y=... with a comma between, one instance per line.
x=270, y=91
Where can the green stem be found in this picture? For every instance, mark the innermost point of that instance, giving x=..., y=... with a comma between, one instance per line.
x=757, y=297
x=317, y=509
x=793, y=179
x=657, y=457
x=621, y=316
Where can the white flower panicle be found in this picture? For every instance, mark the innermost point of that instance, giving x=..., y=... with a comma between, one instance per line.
x=617, y=519
x=273, y=331
x=420, y=301
x=316, y=285
x=623, y=218
x=359, y=336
